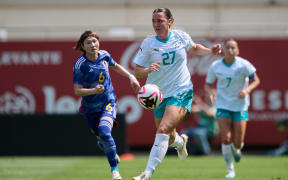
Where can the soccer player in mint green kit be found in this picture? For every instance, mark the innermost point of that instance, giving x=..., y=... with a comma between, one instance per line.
x=92, y=82
x=236, y=78
x=162, y=58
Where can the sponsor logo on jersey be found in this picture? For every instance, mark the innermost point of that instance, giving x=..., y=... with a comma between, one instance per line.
x=155, y=49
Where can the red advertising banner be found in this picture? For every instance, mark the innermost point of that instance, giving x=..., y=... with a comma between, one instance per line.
x=37, y=78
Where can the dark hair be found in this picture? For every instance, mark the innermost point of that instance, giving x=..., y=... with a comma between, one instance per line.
x=230, y=39
x=84, y=36
x=166, y=11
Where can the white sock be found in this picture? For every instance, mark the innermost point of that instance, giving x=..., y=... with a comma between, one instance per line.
x=157, y=153
x=178, y=142
x=227, y=154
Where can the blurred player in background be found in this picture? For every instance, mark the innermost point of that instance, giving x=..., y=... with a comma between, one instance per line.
x=236, y=78
x=206, y=128
x=163, y=59
x=92, y=81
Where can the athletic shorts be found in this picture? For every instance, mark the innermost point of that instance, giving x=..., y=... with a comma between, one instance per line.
x=235, y=116
x=93, y=119
x=183, y=99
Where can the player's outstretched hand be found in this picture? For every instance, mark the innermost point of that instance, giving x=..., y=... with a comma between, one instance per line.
x=216, y=49
x=154, y=67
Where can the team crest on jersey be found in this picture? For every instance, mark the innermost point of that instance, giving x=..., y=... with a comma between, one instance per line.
x=104, y=63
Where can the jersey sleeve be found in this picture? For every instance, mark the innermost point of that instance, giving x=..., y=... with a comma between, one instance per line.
x=250, y=69
x=109, y=59
x=211, y=76
x=77, y=73
x=188, y=41
x=143, y=54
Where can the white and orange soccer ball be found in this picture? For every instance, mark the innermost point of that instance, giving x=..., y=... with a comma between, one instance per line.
x=149, y=96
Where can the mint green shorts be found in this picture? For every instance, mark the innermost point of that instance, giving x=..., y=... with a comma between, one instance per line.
x=235, y=116
x=183, y=99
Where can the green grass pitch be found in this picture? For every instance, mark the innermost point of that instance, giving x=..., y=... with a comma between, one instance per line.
x=96, y=168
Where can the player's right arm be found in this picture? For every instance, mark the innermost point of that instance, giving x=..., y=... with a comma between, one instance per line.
x=209, y=81
x=210, y=93
x=143, y=68
x=80, y=91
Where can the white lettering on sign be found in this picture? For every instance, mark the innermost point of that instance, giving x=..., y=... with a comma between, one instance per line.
x=65, y=104
x=264, y=116
x=258, y=100
x=8, y=58
x=20, y=101
x=273, y=100
x=23, y=101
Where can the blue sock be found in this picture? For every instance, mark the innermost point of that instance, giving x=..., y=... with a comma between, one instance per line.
x=114, y=168
x=104, y=131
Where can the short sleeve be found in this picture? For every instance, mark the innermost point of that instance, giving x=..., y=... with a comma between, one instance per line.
x=108, y=58
x=143, y=54
x=77, y=73
x=211, y=76
x=250, y=69
x=188, y=41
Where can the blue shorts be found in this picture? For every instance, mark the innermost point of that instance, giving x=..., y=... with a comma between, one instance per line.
x=94, y=118
x=183, y=99
x=234, y=116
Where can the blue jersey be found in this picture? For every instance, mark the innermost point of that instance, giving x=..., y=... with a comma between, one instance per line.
x=89, y=74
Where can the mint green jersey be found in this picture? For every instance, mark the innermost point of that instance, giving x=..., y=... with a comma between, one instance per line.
x=231, y=79
x=173, y=76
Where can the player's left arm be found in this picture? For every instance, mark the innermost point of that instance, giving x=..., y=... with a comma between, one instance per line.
x=201, y=50
x=122, y=71
x=254, y=81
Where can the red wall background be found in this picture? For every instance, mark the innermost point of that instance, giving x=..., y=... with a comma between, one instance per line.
x=36, y=77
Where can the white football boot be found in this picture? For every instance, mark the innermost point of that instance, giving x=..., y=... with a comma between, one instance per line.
x=142, y=176
x=116, y=175
x=182, y=153
x=231, y=174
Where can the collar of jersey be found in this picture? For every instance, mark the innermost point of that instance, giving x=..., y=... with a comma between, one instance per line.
x=89, y=59
x=228, y=65
x=165, y=40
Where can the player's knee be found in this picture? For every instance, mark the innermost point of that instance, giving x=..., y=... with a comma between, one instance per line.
x=164, y=129
x=106, y=138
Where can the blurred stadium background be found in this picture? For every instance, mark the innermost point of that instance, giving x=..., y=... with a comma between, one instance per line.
x=130, y=19
x=37, y=103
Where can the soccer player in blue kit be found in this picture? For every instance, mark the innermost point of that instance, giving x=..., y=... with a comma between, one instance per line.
x=92, y=81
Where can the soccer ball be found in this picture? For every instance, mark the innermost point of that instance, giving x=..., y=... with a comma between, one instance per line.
x=149, y=96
